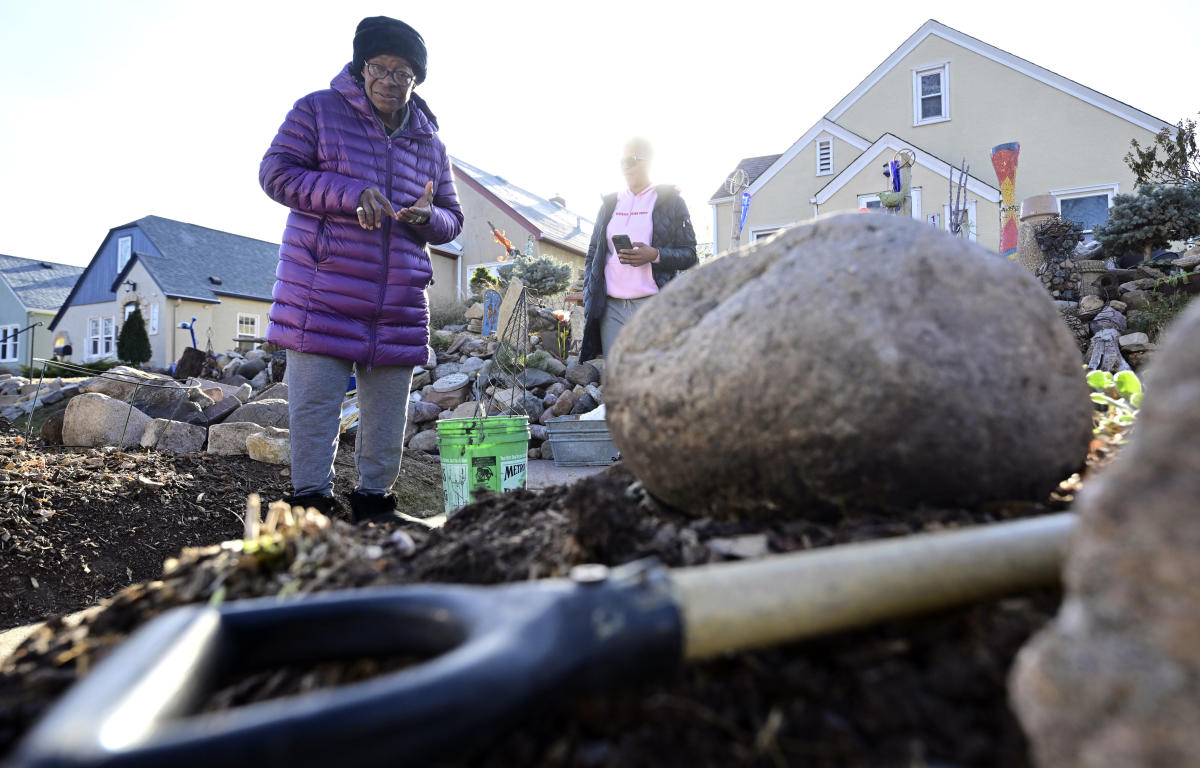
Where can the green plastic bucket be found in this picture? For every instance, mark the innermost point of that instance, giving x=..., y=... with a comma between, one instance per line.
x=486, y=453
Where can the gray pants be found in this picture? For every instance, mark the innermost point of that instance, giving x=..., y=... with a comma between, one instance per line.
x=616, y=313
x=316, y=387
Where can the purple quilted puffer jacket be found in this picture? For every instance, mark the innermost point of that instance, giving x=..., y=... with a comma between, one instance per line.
x=341, y=290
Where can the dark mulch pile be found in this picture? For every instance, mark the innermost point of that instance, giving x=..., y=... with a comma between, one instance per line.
x=928, y=691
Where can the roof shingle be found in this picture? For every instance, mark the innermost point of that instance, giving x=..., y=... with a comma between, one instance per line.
x=40, y=285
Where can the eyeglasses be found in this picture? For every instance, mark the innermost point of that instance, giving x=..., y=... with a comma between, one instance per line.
x=398, y=76
x=629, y=162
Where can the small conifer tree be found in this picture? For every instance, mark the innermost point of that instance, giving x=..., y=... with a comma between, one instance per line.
x=541, y=275
x=133, y=345
x=1157, y=215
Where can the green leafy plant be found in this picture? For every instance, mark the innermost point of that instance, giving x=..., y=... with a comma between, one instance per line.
x=133, y=344
x=1158, y=313
x=1155, y=216
x=541, y=275
x=450, y=313
x=1119, y=397
x=1179, y=162
x=481, y=280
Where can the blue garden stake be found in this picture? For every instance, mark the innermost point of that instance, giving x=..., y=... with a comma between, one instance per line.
x=191, y=327
x=491, y=311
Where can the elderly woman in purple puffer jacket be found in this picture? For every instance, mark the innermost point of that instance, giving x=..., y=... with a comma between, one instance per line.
x=369, y=185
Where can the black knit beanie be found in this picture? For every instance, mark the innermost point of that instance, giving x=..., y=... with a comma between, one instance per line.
x=379, y=35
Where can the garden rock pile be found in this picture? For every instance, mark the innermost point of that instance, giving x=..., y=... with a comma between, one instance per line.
x=1113, y=681
x=1113, y=301
x=468, y=381
x=895, y=367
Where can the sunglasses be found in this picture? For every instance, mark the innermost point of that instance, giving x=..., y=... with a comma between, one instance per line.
x=629, y=162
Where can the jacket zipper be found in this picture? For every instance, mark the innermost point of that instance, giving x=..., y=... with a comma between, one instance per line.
x=387, y=248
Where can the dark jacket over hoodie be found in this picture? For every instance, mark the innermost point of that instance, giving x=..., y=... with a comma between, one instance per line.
x=341, y=290
x=672, y=235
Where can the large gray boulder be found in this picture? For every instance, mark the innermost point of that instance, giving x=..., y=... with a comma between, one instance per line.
x=229, y=438
x=173, y=436
x=94, y=419
x=120, y=382
x=857, y=360
x=268, y=413
x=1113, y=680
x=174, y=403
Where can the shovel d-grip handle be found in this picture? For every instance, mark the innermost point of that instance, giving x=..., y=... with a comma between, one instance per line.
x=496, y=651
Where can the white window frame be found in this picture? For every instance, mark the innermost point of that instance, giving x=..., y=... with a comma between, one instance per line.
x=91, y=341
x=10, y=343
x=242, y=317
x=944, y=70
x=972, y=219
x=127, y=310
x=1095, y=190
x=761, y=233
x=108, y=336
x=825, y=145
x=153, y=329
x=124, y=251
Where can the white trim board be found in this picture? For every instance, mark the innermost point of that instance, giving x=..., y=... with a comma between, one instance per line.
x=821, y=126
x=1027, y=68
x=889, y=143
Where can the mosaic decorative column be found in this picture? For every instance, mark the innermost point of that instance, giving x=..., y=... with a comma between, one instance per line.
x=1004, y=160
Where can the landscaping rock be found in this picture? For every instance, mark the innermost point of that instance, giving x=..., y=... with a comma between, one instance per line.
x=268, y=413
x=446, y=369
x=544, y=361
x=52, y=429
x=220, y=410
x=173, y=436
x=272, y=445
x=583, y=374
x=173, y=403
x=532, y=378
x=584, y=404
x=121, y=381
x=565, y=402
x=1111, y=682
x=1108, y=318
x=422, y=411
x=424, y=441
x=276, y=391
x=229, y=439
x=895, y=366
x=251, y=368
x=95, y=419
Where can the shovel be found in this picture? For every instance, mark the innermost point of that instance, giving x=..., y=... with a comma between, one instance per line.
x=492, y=653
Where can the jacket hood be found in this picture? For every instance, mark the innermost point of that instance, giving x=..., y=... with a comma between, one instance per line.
x=422, y=121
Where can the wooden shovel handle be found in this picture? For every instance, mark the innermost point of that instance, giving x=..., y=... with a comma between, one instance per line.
x=729, y=607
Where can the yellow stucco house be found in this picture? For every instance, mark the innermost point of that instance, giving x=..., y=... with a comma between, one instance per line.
x=217, y=283
x=945, y=97
x=534, y=225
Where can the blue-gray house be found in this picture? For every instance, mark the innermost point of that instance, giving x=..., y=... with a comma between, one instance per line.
x=31, y=292
x=215, y=284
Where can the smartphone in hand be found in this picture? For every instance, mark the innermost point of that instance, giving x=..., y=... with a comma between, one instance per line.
x=622, y=242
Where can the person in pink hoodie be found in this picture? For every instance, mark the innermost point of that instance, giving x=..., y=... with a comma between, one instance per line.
x=662, y=243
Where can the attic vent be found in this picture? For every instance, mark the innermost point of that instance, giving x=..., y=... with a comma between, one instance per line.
x=824, y=157
x=45, y=265
x=559, y=200
x=214, y=280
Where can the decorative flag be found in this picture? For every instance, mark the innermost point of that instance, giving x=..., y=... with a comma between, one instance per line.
x=1004, y=161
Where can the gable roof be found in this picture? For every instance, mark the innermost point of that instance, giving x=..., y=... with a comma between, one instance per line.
x=188, y=256
x=541, y=217
x=888, y=143
x=781, y=161
x=1028, y=68
x=753, y=166
x=38, y=285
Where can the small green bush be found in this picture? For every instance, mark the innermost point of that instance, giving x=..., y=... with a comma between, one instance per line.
x=133, y=343
x=1158, y=315
x=54, y=371
x=452, y=313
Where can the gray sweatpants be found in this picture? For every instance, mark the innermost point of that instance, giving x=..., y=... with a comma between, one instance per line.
x=316, y=387
x=617, y=313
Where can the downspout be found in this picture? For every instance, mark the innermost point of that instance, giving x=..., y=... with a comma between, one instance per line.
x=458, y=272
x=813, y=200
x=715, y=245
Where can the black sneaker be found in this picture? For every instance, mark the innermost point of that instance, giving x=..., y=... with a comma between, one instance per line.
x=372, y=507
x=325, y=504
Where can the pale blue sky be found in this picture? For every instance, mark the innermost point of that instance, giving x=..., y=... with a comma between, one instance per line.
x=115, y=109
